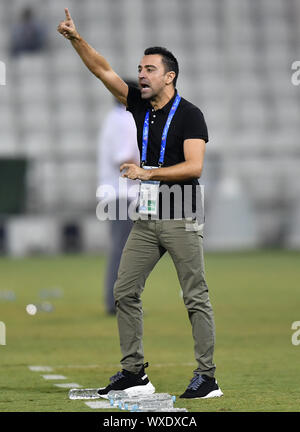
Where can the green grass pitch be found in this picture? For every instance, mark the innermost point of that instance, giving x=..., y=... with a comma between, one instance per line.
x=256, y=298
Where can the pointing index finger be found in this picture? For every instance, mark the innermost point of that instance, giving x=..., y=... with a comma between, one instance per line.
x=68, y=16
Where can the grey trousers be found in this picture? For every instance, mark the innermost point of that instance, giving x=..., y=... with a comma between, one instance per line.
x=147, y=242
x=119, y=231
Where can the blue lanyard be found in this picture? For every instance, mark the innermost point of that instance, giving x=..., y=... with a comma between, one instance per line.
x=164, y=135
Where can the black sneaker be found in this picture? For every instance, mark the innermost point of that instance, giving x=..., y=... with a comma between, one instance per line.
x=133, y=384
x=202, y=387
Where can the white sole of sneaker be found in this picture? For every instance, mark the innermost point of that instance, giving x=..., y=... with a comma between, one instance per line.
x=137, y=390
x=141, y=390
x=212, y=394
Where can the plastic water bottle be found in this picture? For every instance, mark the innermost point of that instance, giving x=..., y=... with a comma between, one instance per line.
x=158, y=396
x=45, y=307
x=160, y=399
x=150, y=406
x=7, y=295
x=51, y=293
x=163, y=398
x=154, y=404
x=116, y=396
x=124, y=403
x=84, y=394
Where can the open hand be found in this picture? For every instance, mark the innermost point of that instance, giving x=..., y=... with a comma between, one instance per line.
x=67, y=27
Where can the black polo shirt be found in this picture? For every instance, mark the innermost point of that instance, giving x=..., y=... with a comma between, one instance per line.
x=188, y=122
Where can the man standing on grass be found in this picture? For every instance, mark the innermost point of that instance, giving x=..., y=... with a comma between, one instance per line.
x=171, y=135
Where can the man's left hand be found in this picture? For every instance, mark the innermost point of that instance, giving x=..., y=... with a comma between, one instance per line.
x=133, y=172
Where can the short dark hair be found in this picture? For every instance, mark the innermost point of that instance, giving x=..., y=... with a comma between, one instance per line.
x=168, y=59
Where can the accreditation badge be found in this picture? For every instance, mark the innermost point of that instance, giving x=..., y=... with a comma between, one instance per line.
x=148, y=196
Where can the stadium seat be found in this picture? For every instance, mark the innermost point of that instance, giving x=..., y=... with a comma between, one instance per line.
x=278, y=58
x=68, y=88
x=8, y=119
x=249, y=143
x=231, y=220
x=247, y=82
x=252, y=113
x=94, y=234
x=293, y=236
x=287, y=111
x=35, y=117
x=45, y=174
x=78, y=185
x=30, y=89
x=283, y=141
x=32, y=65
x=69, y=116
x=75, y=145
x=37, y=145
x=272, y=9
x=64, y=62
x=31, y=235
x=9, y=144
x=4, y=38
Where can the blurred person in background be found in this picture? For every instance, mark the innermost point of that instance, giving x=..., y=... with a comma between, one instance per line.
x=28, y=34
x=174, y=159
x=117, y=144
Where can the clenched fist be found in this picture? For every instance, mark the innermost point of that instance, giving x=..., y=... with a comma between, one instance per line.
x=67, y=28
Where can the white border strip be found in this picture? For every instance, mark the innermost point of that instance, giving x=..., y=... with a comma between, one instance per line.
x=40, y=368
x=54, y=377
x=68, y=385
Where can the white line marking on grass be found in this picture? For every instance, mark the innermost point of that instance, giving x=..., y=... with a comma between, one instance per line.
x=40, y=368
x=54, y=377
x=68, y=385
x=100, y=405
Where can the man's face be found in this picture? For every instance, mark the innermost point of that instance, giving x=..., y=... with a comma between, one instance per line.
x=152, y=76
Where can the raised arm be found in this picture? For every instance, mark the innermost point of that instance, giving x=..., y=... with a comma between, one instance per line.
x=95, y=62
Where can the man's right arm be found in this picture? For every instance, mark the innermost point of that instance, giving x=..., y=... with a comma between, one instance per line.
x=95, y=62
